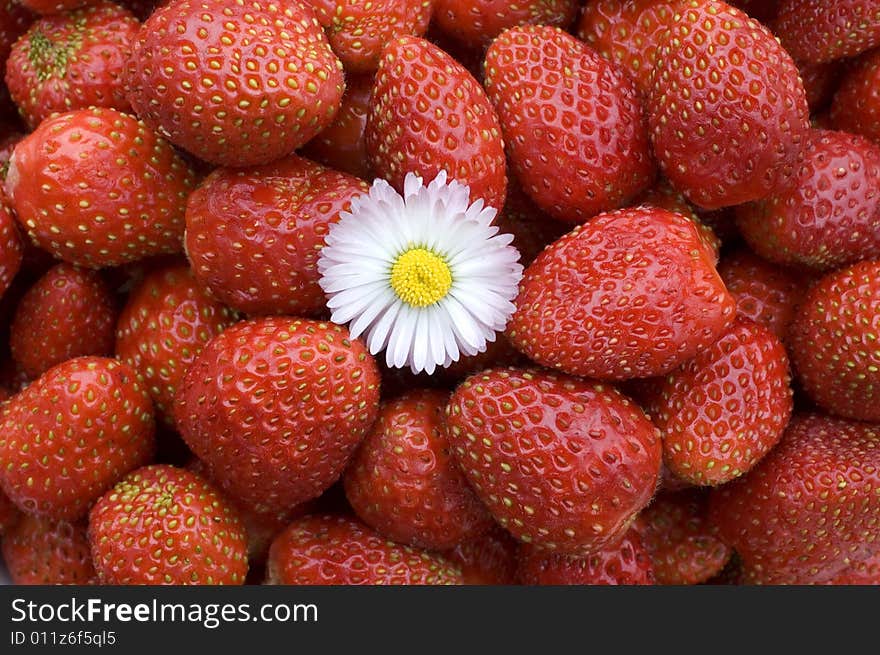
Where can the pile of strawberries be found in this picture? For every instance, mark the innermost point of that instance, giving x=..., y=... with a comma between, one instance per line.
x=688, y=390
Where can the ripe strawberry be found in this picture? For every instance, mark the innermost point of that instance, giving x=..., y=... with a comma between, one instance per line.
x=623, y=563
x=48, y=7
x=531, y=228
x=664, y=196
x=833, y=342
x=39, y=551
x=165, y=525
x=563, y=463
x=358, y=30
x=429, y=114
x=404, y=483
x=826, y=213
x=9, y=513
x=7, y=146
x=820, y=83
x=342, y=145
x=128, y=187
x=238, y=94
x=71, y=61
x=476, y=22
x=627, y=33
x=680, y=541
x=275, y=407
x=810, y=509
x=253, y=236
x=572, y=122
x=864, y=572
x=11, y=248
x=856, y=104
x=723, y=410
x=72, y=434
x=631, y=293
x=333, y=550
x=14, y=21
x=164, y=326
x=817, y=31
x=764, y=292
x=727, y=109
x=69, y=312
x=490, y=559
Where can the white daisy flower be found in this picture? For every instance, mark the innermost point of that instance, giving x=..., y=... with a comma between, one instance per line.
x=425, y=277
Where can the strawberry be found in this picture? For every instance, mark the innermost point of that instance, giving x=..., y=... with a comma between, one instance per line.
x=69, y=312
x=72, y=434
x=128, y=187
x=238, y=94
x=476, y=22
x=404, y=483
x=358, y=30
x=334, y=550
x=723, y=135
x=7, y=146
x=817, y=31
x=11, y=248
x=864, y=572
x=564, y=108
x=723, y=410
x=826, y=213
x=531, y=228
x=165, y=525
x=563, y=463
x=833, y=342
x=764, y=292
x=856, y=103
x=627, y=32
x=341, y=145
x=164, y=326
x=39, y=551
x=623, y=563
x=664, y=196
x=428, y=114
x=48, y=7
x=275, y=407
x=810, y=509
x=14, y=21
x=253, y=236
x=9, y=513
x=631, y=293
x=71, y=61
x=820, y=83
x=490, y=559
x=679, y=539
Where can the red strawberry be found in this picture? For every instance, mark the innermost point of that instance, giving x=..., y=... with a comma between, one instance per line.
x=165, y=525
x=624, y=563
x=69, y=312
x=865, y=572
x=429, y=114
x=275, y=407
x=664, y=196
x=563, y=463
x=358, y=30
x=627, y=32
x=631, y=293
x=723, y=410
x=128, y=186
x=572, y=122
x=531, y=228
x=39, y=551
x=14, y=21
x=71, y=61
x=490, y=559
x=764, y=292
x=164, y=326
x=810, y=509
x=253, y=236
x=47, y=7
x=834, y=342
x=7, y=146
x=826, y=213
x=404, y=483
x=72, y=434
x=333, y=550
x=9, y=513
x=817, y=31
x=238, y=94
x=342, y=145
x=11, y=248
x=856, y=104
x=680, y=540
x=820, y=83
x=476, y=22
x=727, y=109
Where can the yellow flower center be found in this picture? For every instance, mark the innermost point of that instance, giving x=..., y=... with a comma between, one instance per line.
x=420, y=278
